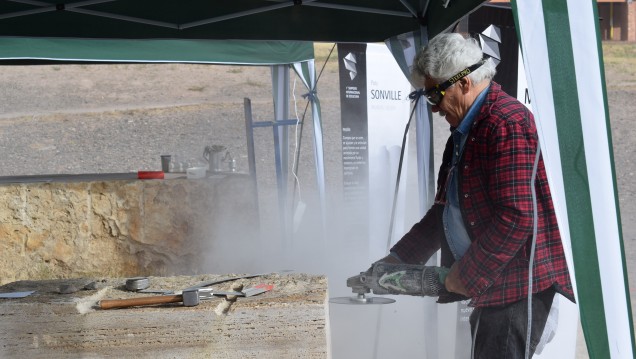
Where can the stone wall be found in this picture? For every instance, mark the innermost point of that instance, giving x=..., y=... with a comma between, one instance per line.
x=117, y=228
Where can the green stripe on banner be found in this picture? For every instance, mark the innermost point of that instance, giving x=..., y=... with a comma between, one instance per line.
x=515, y=15
x=612, y=163
x=574, y=167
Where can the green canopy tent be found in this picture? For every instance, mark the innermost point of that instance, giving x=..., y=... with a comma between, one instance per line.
x=562, y=25
x=279, y=55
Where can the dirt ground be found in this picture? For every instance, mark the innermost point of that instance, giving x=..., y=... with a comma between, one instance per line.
x=71, y=119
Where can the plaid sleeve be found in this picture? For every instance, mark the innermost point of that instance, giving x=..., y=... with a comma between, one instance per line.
x=423, y=240
x=509, y=159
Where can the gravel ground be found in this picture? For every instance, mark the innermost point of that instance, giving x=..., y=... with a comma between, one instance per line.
x=72, y=119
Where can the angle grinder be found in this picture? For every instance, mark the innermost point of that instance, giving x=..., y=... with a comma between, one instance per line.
x=385, y=278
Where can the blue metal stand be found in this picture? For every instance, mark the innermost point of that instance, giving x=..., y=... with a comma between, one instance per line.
x=281, y=173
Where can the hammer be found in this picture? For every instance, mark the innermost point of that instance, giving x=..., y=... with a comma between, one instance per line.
x=190, y=298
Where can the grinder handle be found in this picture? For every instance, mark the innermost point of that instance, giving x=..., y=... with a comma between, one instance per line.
x=135, y=302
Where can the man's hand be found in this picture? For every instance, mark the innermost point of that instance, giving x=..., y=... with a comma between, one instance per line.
x=453, y=283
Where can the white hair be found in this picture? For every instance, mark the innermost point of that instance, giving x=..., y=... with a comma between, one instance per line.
x=448, y=54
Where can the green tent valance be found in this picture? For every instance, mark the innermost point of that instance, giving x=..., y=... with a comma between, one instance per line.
x=157, y=50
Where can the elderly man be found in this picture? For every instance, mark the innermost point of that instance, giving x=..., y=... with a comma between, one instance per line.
x=484, y=217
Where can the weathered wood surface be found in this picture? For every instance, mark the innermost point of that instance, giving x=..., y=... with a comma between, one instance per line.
x=288, y=322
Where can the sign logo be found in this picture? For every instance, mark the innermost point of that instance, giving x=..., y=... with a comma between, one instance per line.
x=350, y=64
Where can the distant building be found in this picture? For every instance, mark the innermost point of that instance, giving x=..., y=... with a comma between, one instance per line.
x=617, y=19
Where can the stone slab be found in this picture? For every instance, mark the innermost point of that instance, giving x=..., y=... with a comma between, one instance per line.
x=289, y=321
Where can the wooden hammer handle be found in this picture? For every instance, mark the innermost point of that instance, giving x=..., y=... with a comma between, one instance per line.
x=135, y=302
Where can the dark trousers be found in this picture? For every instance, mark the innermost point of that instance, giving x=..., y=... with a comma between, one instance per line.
x=501, y=331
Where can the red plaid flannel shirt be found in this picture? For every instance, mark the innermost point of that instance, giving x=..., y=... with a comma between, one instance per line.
x=496, y=204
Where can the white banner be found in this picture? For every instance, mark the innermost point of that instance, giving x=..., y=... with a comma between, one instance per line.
x=388, y=108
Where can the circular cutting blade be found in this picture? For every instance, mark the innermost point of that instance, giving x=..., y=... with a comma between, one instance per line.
x=361, y=300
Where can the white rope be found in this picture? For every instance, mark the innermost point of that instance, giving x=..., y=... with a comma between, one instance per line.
x=535, y=218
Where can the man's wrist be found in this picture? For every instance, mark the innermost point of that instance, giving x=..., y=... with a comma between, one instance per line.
x=395, y=256
x=453, y=283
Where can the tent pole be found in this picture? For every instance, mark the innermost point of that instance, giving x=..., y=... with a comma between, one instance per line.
x=280, y=81
x=251, y=156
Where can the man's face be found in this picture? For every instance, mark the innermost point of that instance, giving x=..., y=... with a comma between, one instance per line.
x=453, y=104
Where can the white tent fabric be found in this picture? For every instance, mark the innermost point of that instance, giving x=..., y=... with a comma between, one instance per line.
x=564, y=68
x=404, y=48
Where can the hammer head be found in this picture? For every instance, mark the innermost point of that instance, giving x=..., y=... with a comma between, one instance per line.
x=190, y=298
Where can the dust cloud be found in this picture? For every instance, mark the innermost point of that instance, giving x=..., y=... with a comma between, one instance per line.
x=337, y=248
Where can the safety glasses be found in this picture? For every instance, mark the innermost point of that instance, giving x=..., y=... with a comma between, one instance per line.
x=435, y=94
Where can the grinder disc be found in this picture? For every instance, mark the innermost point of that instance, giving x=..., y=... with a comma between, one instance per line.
x=361, y=299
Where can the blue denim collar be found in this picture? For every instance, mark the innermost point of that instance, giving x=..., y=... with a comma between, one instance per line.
x=468, y=120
